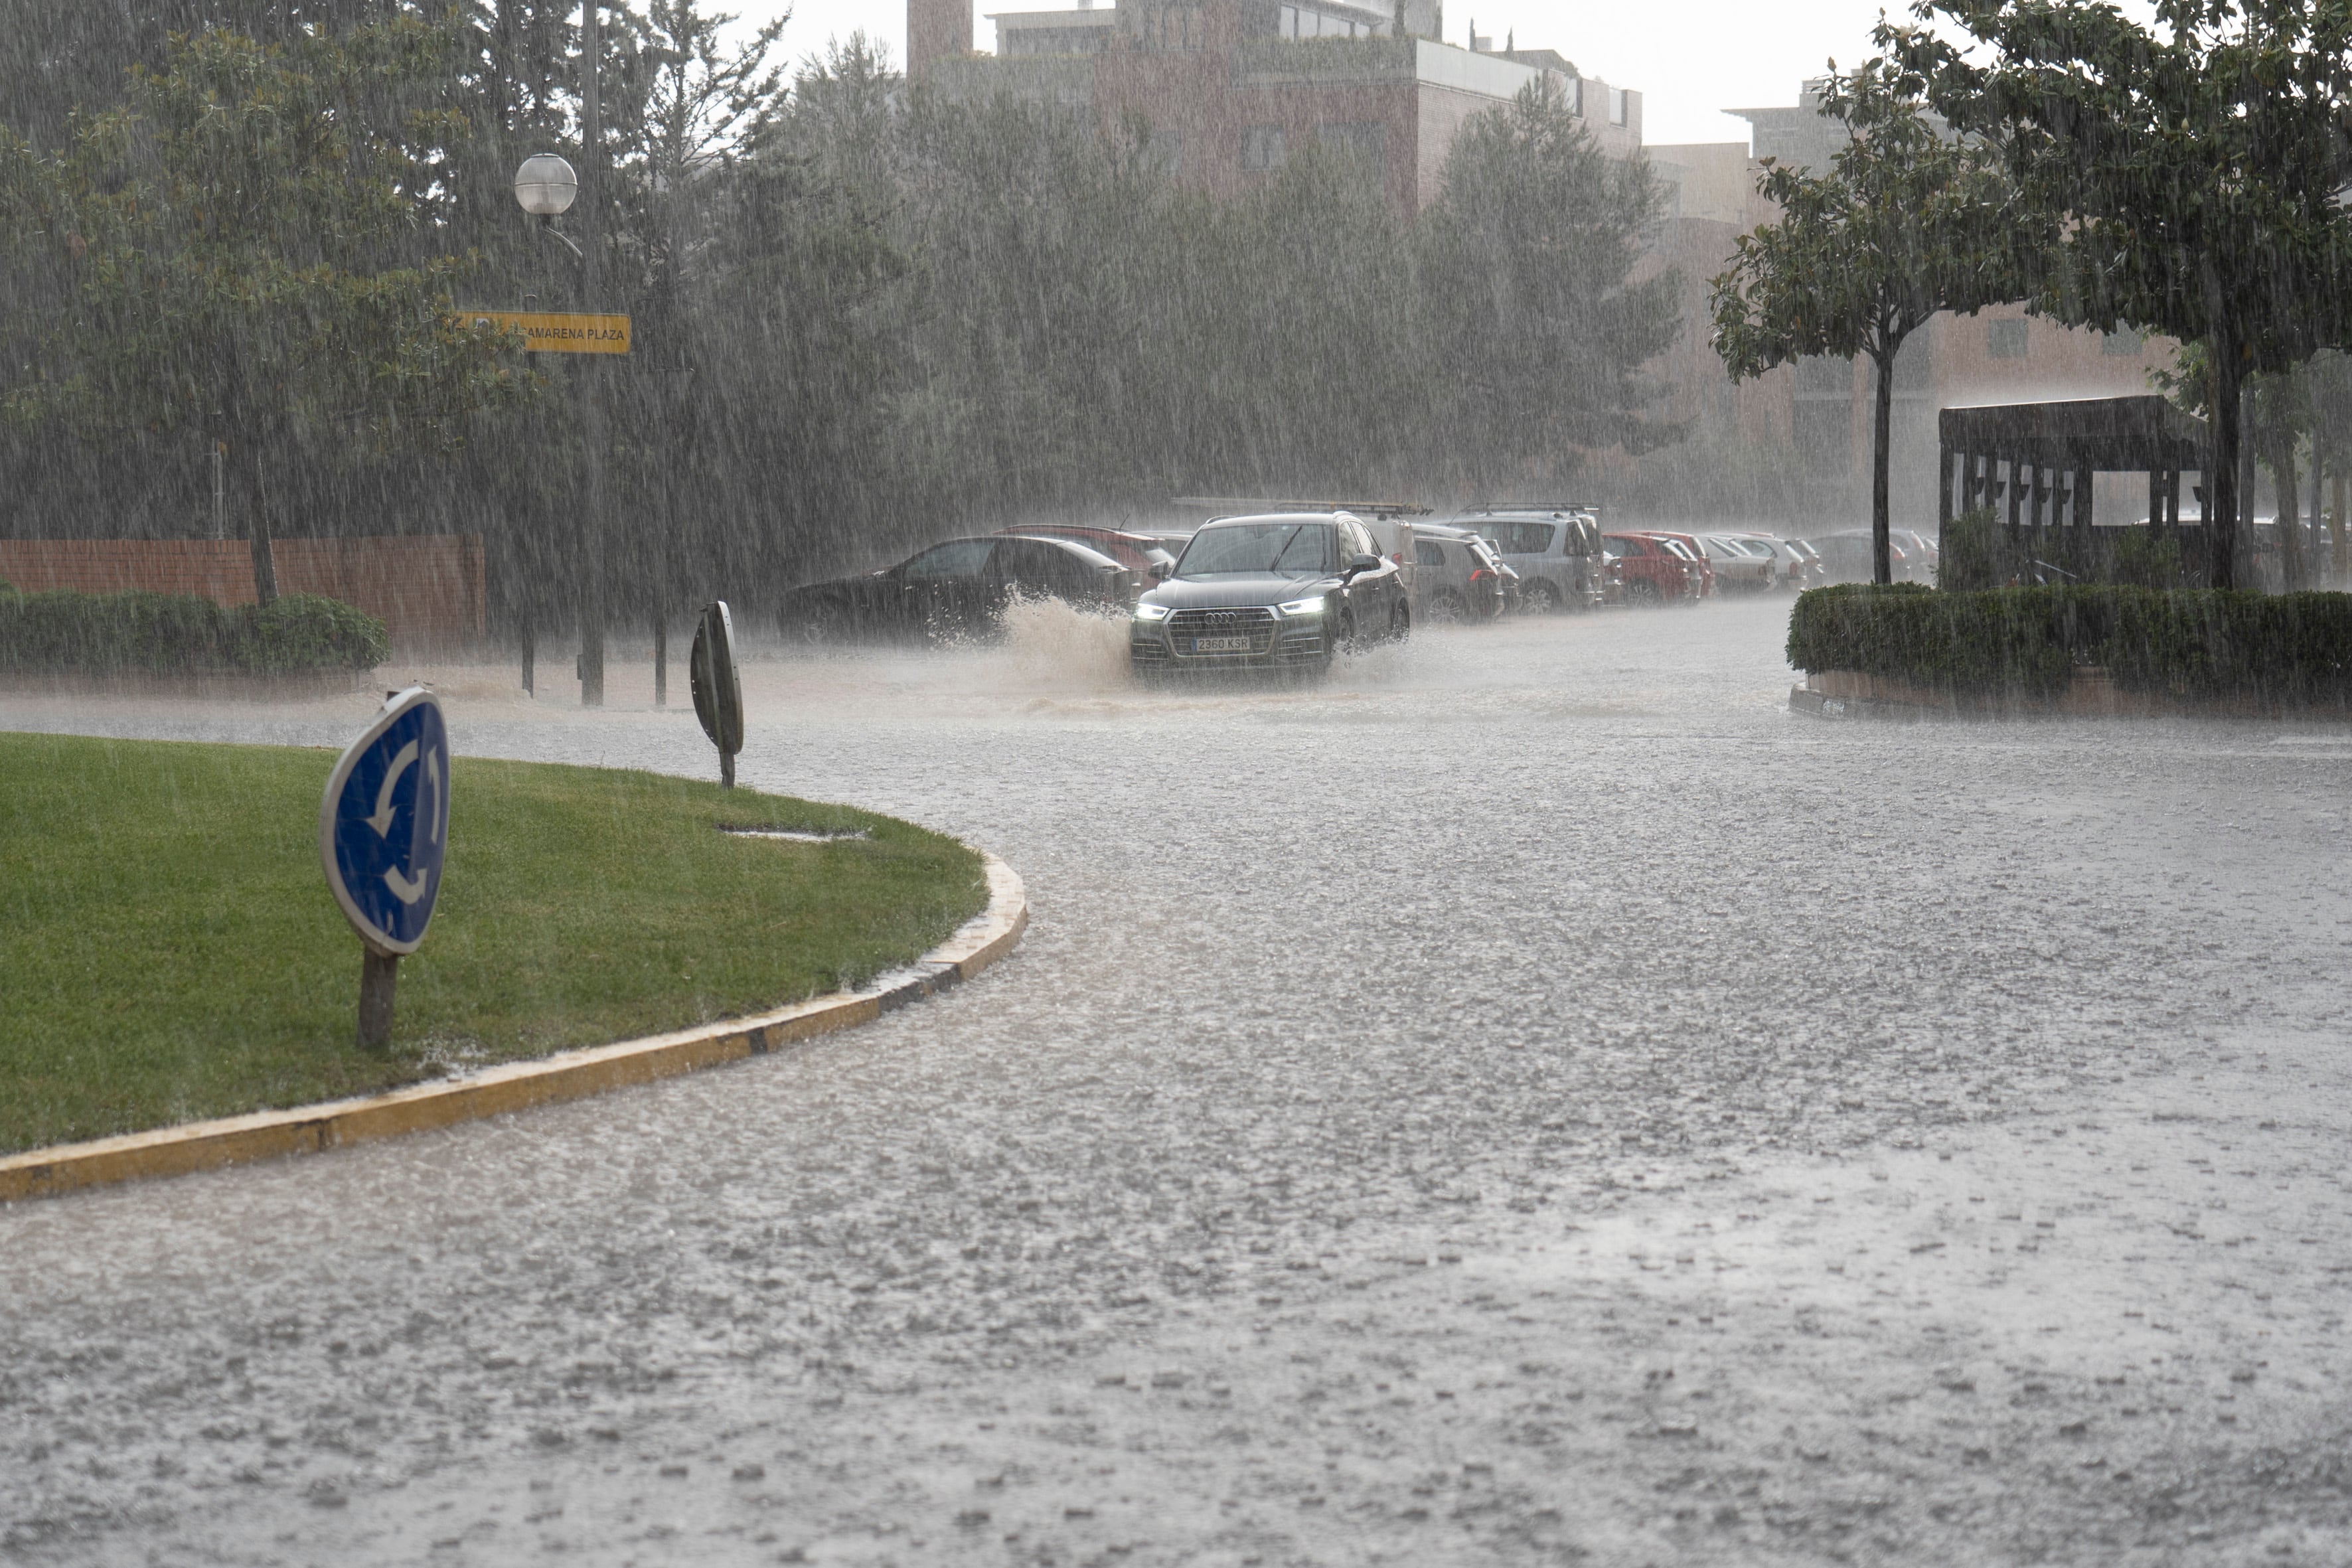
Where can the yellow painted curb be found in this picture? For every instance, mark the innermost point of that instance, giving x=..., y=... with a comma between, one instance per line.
x=517, y=1086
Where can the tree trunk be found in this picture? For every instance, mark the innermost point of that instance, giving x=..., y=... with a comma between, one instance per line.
x=2343, y=553
x=2222, y=483
x=1882, y=425
x=257, y=520
x=2290, y=513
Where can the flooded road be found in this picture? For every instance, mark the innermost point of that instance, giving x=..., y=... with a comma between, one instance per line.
x=1530, y=1100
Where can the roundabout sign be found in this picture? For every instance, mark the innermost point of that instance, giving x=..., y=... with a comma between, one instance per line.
x=384, y=829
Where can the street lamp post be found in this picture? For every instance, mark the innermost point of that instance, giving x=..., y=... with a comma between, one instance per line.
x=546, y=186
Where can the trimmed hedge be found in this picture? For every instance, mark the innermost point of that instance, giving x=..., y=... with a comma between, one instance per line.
x=2189, y=642
x=176, y=634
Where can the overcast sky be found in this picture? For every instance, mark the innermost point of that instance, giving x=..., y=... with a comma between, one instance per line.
x=1689, y=58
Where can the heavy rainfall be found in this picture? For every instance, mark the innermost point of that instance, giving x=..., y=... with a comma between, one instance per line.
x=1682, y=805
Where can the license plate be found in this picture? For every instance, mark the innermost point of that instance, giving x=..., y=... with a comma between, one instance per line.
x=1221, y=645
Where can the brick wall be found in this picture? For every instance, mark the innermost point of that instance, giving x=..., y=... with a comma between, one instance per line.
x=428, y=589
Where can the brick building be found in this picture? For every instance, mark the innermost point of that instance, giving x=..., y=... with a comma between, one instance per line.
x=1231, y=89
x=1820, y=409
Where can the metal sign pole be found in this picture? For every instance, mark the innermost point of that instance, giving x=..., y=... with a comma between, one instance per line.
x=379, y=976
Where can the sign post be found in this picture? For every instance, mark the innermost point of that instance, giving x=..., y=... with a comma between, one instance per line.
x=718, y=694
x=383, y=827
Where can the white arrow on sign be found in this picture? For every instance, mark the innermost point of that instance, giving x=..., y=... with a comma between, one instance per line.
x=406, y=891
x=382, y=820
x=433, y=777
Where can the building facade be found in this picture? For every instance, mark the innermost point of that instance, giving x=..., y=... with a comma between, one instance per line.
x=1234, y=88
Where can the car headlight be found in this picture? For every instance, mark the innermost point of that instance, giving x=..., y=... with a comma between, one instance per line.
x=1150, y=612
x=1302, y=607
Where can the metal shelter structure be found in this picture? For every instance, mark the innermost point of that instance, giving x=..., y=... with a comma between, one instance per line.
x=2037, y=460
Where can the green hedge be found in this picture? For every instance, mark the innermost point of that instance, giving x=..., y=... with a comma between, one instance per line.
x=2285, y=647
x=173, y=633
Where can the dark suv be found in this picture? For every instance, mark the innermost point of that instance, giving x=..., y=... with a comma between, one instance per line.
x=1286, y=590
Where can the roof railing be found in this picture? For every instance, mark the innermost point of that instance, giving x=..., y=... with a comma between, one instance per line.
x=1488, y=508
x=1231, y=504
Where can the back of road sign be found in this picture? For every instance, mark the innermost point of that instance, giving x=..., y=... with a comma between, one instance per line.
x=384, y=826
x=718, y=695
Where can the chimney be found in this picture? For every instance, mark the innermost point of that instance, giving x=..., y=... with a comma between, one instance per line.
x=936, y=30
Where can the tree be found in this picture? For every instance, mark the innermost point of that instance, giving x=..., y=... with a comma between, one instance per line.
x=1528, y=288
x=1906, y=222
x=2193, y=169
x=246, y=250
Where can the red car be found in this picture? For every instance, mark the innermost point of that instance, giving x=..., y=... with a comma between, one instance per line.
x=1652, y=570
x=1690, y=546
x=1136, y=551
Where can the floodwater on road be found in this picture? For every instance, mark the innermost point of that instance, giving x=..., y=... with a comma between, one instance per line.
x=1530, y=1100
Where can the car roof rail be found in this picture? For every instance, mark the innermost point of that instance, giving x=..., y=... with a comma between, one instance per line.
x=1242, y=505
x=1487, y=507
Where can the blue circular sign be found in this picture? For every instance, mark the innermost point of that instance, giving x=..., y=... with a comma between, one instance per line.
x=384, y=826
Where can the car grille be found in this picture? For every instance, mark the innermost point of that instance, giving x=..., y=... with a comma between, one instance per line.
x=1255, y=623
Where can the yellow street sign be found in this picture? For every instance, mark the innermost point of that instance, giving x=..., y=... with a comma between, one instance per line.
x=557, y=332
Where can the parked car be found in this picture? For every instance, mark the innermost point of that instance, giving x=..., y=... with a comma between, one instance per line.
x=958, y=587
x=1846, y=557
x=1919, y=551
x=1554, y=552
x=1138, y=553
x=1457, y=576
x=1279, y=589
x=1652, y=570
x=1689, y=546
x=1791, y=559
x=1736, y=563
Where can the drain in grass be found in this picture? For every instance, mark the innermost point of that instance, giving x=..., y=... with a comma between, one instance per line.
x=797, y=835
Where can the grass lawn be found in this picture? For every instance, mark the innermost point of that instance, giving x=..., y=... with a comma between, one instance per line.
x=169, y=949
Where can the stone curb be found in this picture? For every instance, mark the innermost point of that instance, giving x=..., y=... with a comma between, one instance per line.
x=517, y=1086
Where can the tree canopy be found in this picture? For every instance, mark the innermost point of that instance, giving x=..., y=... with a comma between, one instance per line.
x=2194, y=167
x=1906, y=222
x=244, y=250
x=869, y=314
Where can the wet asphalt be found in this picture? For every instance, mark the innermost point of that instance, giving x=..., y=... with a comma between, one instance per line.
x=1531, y=1100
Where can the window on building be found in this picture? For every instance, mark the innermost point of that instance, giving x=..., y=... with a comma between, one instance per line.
x=1616, y=106
x=1364, y=139
x=2124, y=344
x=1576, y=96
x=1288, y=26
x=1263, y=147
x=1174, y=27
x=2005, y=339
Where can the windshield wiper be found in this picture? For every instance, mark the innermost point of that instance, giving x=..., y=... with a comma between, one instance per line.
x=1276, y=565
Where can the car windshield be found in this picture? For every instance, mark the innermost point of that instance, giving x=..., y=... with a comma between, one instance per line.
x=1677, y=547
x=1292, y=549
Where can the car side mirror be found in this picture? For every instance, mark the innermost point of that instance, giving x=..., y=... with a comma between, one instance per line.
x=1159, y=570
x=1362, y=563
